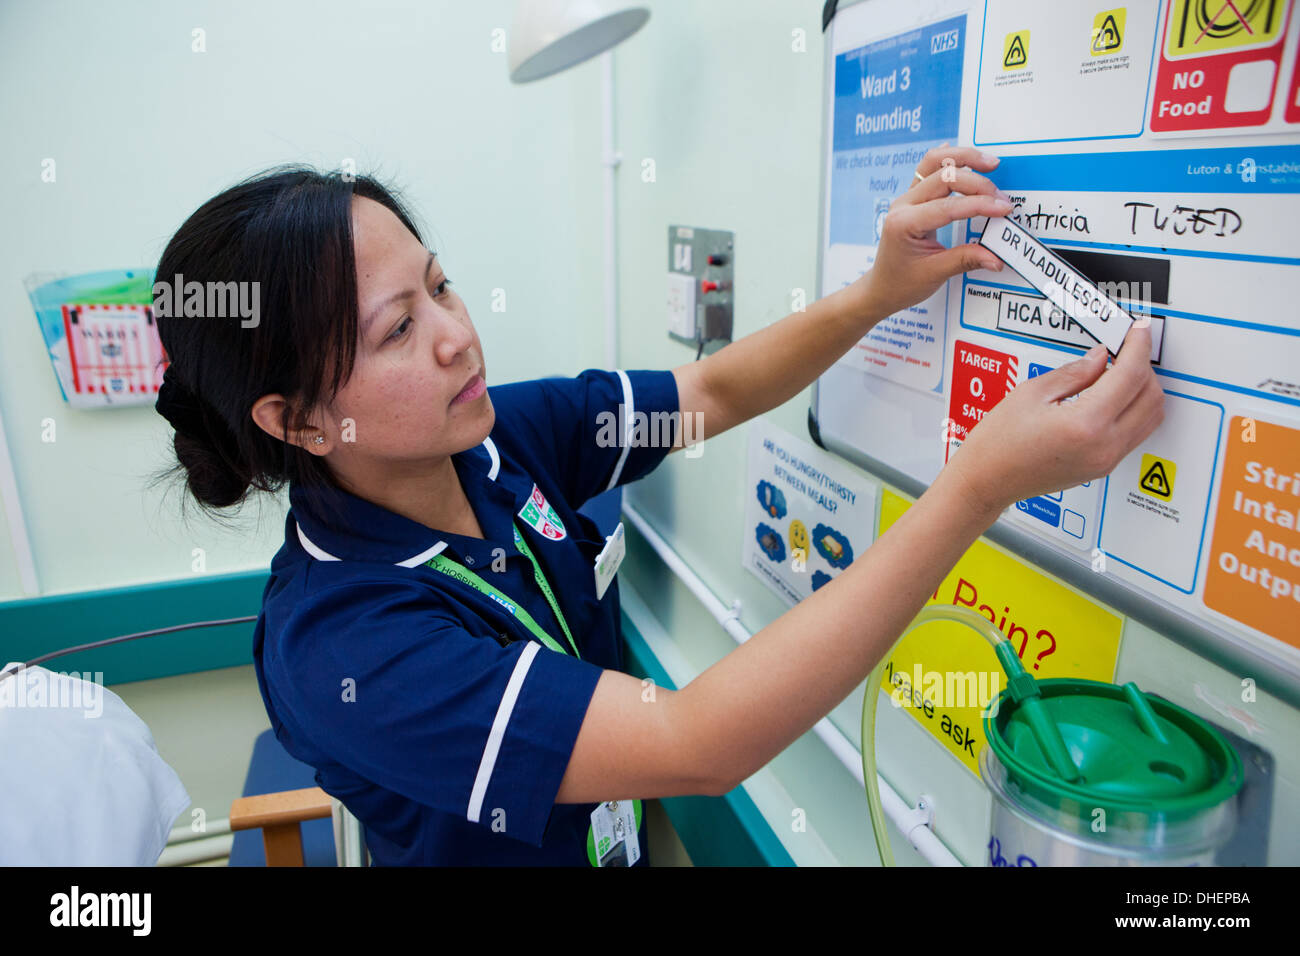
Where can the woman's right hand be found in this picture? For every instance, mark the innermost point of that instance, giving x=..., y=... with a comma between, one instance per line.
x=1033, y=442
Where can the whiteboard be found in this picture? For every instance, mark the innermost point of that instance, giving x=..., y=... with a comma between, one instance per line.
x=1156, y=146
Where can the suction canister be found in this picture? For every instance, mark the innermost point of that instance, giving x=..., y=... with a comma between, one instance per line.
x=1085, y=773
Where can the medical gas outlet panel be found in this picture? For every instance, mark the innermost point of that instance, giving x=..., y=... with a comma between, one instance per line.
x=701, y=269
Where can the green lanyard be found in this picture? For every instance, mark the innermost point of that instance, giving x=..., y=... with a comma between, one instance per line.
x=454, y=569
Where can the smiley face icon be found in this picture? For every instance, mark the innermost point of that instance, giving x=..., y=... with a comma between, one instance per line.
x=798, y=536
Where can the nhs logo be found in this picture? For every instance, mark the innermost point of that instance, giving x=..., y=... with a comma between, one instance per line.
x=943, y=42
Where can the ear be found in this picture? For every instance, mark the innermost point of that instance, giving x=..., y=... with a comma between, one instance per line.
x=269, y=410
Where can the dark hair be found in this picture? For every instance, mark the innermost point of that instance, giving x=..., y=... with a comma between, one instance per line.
x=289, y=230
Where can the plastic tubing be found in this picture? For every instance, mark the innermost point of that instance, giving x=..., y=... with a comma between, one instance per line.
x=937, y=612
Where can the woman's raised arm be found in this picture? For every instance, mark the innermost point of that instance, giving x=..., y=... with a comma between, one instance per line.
x=740, y=713
x=769, y=367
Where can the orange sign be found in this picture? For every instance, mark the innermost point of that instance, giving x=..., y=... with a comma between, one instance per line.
x=1254, y=574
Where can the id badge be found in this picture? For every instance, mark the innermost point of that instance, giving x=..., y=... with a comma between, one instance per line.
x=613, y=826
x=607, y=562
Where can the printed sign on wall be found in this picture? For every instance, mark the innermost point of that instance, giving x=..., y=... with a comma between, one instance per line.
x=1254, y=570
x=807, y=513
x=944, y=675
x=895, y=98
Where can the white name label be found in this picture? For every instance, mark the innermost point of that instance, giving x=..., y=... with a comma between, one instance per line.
x=609, y=559
x=1065, y=286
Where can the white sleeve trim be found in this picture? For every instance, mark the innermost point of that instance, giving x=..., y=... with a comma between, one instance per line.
x=498, y=731
x=627, y=428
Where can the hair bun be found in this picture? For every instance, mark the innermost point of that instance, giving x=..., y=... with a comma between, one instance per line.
x=204, y=447
x=179, y=405
x=212, y=477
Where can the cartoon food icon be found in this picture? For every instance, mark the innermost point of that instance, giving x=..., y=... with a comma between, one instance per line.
x=832, y=546
x=771, y=498
x=770, y=541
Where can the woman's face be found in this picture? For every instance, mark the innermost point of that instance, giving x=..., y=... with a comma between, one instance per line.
x=416, y=353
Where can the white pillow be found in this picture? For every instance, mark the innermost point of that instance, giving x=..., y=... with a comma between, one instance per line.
x=81, y=781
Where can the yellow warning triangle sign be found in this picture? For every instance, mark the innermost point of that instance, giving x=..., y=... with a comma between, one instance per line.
x=1155, y=481
x=1107, y=36
x=1015, y=53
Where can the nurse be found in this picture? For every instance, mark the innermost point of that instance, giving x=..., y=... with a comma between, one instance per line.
x=435, y=639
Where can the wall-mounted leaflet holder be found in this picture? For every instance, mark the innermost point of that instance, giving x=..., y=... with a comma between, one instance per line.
x=100, y=335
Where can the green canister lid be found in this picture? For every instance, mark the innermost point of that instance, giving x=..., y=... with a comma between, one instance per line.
x=1138, y=757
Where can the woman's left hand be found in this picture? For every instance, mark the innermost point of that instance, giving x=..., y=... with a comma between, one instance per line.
x=911, y=263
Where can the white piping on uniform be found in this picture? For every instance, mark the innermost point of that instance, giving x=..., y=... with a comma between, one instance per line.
x=627, y=431
x=318, y=553
x=423, y=557
x=493, y=745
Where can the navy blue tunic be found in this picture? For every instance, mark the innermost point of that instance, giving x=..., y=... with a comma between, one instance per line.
x=426, y=707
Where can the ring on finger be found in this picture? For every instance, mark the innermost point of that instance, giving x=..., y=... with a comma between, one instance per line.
x=918, y=175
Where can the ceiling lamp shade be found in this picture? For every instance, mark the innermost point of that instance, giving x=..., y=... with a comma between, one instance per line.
x=548, y=36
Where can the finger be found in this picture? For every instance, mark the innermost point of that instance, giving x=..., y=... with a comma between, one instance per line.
x=960, y=180
x=1142, y=417
x=960, y=155
x=1071, y=378
x=937, y=213
x=962, y=258
x=1153, y=421
x=1127, y=375
x=1148, y=404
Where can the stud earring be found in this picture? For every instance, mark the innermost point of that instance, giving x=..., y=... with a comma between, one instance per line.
x=319, y=439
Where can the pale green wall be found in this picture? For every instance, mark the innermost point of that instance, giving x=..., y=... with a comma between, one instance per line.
x=143, y=131
x=714, y=94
